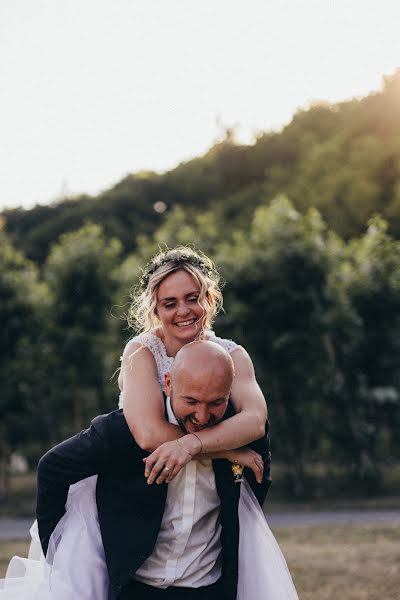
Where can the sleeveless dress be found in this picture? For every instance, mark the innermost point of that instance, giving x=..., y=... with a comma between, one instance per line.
x=75, y=566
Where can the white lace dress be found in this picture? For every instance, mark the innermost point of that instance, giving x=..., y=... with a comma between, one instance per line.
x=75, y=567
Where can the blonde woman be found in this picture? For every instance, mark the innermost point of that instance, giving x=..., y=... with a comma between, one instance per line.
x=179, y=300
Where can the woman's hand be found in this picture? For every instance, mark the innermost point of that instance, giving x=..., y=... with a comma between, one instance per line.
x=248, y=458
x=165, y=463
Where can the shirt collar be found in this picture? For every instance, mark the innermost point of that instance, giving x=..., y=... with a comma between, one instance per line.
x=170, y=414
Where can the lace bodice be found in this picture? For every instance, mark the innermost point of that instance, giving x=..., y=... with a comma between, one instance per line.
x=163, y=361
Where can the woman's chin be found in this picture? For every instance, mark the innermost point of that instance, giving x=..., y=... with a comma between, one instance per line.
x=188, y=333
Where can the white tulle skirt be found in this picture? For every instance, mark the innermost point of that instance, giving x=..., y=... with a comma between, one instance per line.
x=75, y=567
x=263, y=572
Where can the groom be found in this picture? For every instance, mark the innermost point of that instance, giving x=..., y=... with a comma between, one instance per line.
x=170, y=541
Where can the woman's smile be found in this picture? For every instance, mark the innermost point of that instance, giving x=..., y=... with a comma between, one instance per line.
x=186, y=323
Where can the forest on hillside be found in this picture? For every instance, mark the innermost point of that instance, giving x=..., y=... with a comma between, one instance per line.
x=304, y=225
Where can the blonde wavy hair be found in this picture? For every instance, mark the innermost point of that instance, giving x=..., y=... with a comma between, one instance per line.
x=142, y=315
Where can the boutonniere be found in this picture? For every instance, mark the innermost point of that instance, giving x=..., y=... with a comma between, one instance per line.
x=237, y=471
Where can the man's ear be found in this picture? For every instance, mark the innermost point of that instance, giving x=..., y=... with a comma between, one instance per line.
x=167, y=384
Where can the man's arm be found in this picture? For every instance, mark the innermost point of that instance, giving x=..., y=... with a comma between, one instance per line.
x=74, y=459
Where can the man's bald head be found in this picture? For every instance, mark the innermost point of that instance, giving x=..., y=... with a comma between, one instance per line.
x=204, y=359
x=199, y=384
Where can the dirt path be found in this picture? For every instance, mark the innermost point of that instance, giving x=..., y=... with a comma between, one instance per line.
x=19, y=528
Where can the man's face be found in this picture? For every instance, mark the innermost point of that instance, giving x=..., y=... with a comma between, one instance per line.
x=198, y=401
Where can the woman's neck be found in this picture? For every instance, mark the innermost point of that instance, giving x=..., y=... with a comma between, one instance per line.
x=172, y=345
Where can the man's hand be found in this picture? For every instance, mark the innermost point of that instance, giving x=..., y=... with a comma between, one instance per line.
x=247, y=458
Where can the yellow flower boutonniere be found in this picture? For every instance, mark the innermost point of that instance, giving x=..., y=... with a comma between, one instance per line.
x=237, y=471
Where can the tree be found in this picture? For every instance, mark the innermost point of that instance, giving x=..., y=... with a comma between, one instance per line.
x=80, y=272
x=22, y=302
x=365, y=333
x=276, y=306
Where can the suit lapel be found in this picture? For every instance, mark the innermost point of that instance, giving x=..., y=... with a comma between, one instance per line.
x=229, y=494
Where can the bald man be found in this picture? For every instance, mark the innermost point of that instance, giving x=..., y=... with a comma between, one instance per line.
x=161, y=542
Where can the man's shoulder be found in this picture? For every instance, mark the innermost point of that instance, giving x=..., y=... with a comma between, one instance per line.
x=111, y=418
x=112, y=427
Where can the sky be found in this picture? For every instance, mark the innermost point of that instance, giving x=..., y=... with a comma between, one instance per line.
x=93, y=90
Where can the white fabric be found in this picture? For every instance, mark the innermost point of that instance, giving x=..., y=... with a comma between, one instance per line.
x=188, y=544
x=76, y=569
x=263, y=572
x=81, y=572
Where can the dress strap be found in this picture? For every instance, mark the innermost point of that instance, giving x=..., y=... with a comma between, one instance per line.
x=228, y=345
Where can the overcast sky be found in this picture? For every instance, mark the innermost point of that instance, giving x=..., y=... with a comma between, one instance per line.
x=94, y=89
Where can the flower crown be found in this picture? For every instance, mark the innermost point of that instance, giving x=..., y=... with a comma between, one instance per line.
x=179, y=258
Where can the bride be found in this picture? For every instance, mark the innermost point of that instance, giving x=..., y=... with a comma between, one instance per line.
x=177, y=304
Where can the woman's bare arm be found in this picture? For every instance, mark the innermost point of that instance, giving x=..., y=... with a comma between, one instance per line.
x=219, y=441
x=144, y=406
x=248, y=424
x=247, y=457
x=144, y=410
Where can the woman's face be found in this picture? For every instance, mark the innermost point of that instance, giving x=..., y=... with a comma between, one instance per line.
x=178, y=307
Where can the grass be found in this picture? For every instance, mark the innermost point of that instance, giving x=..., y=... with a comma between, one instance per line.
x=274, y=504
x=9, y=548
x=344, y=562
x=341, y=563
x=21, y=499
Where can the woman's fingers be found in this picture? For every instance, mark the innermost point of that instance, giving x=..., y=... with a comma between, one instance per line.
x=149, y=463
x=255, y=463
x=163, y=475
x=155, y=472
x=258, y=468
x=173, y=473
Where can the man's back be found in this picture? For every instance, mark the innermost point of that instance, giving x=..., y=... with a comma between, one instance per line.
x=130, y=511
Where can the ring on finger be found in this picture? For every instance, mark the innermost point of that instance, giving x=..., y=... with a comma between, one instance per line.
x=167, y=469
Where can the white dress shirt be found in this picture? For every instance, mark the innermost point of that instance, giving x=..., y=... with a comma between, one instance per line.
x=188, y=547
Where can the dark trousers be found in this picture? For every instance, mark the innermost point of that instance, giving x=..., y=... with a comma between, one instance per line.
x=140, y=591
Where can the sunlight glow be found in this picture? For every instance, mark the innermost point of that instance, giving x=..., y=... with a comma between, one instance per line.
x=94, y=90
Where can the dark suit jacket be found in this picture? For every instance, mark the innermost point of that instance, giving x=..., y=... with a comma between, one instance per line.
x=130, y=511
